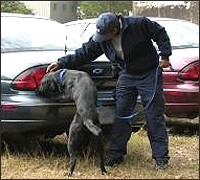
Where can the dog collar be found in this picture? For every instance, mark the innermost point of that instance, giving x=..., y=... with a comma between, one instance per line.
x=60, y=79
x=61, y=75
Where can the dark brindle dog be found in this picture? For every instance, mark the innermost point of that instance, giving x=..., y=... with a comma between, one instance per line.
x=79, y=87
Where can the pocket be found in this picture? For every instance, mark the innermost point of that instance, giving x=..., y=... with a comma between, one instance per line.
x=160, y=69
x=121, y=72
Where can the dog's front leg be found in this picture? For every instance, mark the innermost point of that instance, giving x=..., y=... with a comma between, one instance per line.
x=72, y=165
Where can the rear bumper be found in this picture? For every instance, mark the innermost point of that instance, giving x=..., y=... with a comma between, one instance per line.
x=182, y=110
x=28, y=112
x=37, y=126
x=182, y=102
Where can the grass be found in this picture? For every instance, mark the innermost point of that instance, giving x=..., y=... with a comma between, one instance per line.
x=49, y=160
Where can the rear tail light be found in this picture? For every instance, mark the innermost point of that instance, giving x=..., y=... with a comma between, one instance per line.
x=190, y=72
x=29, y=80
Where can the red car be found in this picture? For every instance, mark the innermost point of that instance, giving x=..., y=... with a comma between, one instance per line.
x=181, y=80
x=181, y=85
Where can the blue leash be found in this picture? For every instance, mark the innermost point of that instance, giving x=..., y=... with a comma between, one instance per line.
x=150, y=101
x=147, y=106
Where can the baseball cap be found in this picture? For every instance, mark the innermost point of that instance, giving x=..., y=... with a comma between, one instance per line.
x=105, y=23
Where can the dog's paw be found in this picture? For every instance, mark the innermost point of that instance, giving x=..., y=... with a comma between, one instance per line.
x=68, y=174
x=103, y=171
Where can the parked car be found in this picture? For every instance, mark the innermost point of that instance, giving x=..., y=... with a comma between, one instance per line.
x=30, y=43
x=181, y=81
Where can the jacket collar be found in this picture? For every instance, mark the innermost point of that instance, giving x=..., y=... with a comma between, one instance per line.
x=124, y=23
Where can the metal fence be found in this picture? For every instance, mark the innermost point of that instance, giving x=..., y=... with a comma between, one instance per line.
x=179, y=12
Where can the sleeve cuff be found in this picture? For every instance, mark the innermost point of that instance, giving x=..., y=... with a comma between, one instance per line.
x=60, y=63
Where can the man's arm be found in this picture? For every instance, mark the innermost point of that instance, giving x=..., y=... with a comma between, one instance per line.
x=86, y=54
x=160, y=36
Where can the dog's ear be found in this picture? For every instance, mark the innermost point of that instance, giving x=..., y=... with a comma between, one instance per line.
x=56, y=78
x=37, y=90
x=49, y=78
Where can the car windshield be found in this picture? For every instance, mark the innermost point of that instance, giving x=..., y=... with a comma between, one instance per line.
x=183, y=34
x=22, y=34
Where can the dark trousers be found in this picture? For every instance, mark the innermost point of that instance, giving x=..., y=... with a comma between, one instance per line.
x=127, y=89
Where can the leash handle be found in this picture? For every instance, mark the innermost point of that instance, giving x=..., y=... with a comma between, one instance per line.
x=171, y=68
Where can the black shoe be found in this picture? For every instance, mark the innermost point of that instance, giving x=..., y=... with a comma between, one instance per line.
x=111, y=162
x=161, y=165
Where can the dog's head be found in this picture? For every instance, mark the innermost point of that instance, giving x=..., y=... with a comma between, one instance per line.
x=48, y=85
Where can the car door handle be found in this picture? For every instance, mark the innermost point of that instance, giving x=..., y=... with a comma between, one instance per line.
x=97, y=71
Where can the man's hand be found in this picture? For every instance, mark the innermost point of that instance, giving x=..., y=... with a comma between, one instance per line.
x=164, y=63
x=52, y=67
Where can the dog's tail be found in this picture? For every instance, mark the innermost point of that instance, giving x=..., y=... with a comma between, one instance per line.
x=94, y=129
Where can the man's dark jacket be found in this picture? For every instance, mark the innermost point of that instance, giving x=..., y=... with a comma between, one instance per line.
x=139, y=52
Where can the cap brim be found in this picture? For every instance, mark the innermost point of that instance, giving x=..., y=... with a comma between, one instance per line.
x=98, y=38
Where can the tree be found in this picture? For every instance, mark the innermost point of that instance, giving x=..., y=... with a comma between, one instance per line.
x=194, y=11
x=187, y=10
x=71, y=11
x=14, y=7
x=91, y=9
x=63, y=11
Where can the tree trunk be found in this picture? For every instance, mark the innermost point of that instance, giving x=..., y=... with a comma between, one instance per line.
x=63, y=11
